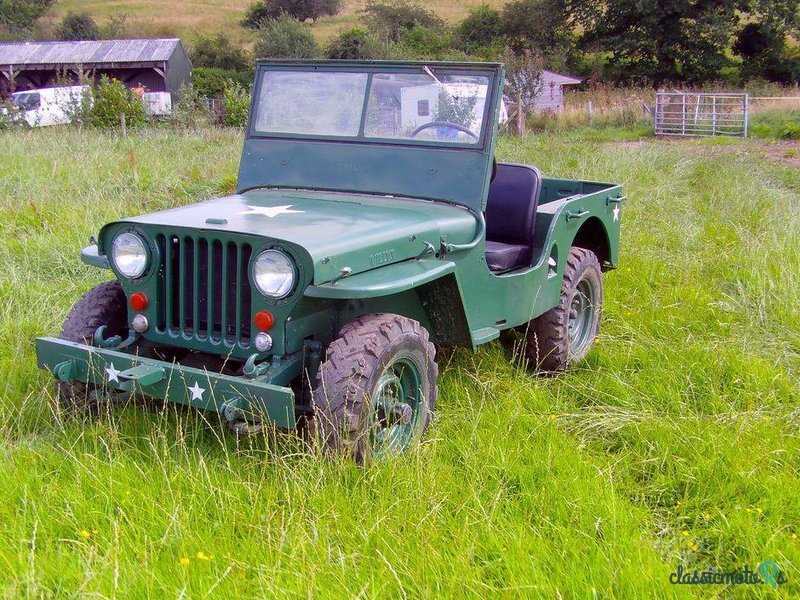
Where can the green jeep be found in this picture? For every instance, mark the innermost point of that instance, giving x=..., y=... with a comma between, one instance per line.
x=371, y=223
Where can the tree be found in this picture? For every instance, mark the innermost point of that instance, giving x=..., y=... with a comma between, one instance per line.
x=218, y=52
x=483, y=27
x=523, y=81
x=286, y=37
x=78, y=26
x=762, y=42
x=19, y=16
x=659, y=41
x=353, y=44
x=540, y=25
x=390, y=18
x=267, y=10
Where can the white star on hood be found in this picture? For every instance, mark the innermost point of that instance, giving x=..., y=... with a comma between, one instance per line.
x=270, y=211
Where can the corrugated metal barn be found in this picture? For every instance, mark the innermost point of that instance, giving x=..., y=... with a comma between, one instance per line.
x=160, y=65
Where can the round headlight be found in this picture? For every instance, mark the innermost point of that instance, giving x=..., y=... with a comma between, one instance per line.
x=129, y=254
x=273, y=274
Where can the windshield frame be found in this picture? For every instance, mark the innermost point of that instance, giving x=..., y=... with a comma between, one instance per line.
x=371, y=68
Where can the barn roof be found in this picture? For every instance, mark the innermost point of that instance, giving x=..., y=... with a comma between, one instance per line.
x=87, y=52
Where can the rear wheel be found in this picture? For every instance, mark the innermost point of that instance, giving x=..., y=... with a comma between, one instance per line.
x=376, y=388
x=106, y=305
x=563, y=335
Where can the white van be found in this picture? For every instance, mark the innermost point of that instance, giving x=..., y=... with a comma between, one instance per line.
x=50, y=106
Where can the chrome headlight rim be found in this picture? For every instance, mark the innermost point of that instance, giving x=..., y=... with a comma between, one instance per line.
x=141, y=272
x=282, y=293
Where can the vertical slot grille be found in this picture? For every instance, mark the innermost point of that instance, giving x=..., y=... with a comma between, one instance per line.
x=204, y=289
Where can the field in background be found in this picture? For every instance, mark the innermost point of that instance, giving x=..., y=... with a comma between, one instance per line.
x=676, y=442
x=185, y=18
x=605, y=106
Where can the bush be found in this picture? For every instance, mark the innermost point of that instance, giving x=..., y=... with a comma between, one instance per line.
x=482, y=28
x=78, y=26
x=219, y=53
x=190, y=110
x=209, y=82
x=115, y=28
x=112, y=99
x=235, y=104
x=267, y=10
x=354, y=44
x=286, y=37
x=390, y=18
x=19, y=16
x=427, y=43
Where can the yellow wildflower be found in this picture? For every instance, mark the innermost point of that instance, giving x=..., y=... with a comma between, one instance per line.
x=707, y=517
x=203, y=556
x=685, y=533
x=85, y=534
x=185, y=561
x=758, y=510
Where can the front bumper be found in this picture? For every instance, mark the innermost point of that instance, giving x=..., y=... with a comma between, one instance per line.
x=266, y=397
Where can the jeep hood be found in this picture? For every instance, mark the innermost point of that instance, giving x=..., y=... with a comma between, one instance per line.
x=336, y=230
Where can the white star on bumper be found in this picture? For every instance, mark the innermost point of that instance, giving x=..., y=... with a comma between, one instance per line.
x=270, y=211
x=196, y=391
x=112, y=374
x=616, y=212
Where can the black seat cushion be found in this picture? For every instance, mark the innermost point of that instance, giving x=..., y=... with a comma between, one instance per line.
x=503, y=257
x=510, y=216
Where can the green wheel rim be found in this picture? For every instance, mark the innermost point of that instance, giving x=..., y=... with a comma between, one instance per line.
x=582, y=316
x=396, y=408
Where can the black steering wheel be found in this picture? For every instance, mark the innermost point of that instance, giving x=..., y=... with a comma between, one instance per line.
x=455, y=126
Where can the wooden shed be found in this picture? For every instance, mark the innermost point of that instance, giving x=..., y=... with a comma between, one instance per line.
x=551, y=94
x=159, y=65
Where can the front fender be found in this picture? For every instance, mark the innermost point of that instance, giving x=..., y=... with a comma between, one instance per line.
x=384, y=281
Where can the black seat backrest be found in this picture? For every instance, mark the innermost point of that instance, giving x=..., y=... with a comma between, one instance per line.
x=511, y=207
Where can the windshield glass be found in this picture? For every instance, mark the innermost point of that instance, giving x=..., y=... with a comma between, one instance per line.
x=426, y=105
x=26, y=100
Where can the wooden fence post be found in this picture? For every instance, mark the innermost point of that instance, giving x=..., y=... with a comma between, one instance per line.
x=122, y=125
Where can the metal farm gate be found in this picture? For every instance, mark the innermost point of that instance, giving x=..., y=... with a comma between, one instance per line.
x=701, y=115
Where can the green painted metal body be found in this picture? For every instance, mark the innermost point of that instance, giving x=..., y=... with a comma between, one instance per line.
x=372, y=226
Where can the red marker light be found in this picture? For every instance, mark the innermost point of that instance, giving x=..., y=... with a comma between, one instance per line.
x=263, y=320
x=138, y=301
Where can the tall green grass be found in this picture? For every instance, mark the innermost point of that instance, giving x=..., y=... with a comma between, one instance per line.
x=676, y=442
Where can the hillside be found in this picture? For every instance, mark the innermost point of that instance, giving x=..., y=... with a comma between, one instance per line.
x=186, y=18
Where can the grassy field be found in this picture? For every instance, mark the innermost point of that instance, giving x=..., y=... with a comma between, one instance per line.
x=185, y=18
x=676, y=442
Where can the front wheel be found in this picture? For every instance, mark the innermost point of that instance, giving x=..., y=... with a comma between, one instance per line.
x=564, y=334
x=106, y=305
x=376, y=389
